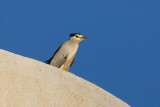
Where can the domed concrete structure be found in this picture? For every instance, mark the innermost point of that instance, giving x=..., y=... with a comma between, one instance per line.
x=25, y=82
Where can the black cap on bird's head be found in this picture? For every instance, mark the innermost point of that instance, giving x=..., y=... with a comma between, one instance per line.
x=78, y=36
x=73, y=34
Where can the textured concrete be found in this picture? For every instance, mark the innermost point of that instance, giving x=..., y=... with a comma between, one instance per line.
x=25, y=82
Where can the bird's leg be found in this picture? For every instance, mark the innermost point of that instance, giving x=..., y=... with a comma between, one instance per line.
x=64, y=67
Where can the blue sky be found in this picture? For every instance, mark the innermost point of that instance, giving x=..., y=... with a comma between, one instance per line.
x=122, y=54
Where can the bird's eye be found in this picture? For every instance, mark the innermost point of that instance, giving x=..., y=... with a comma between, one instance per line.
x=77, y=36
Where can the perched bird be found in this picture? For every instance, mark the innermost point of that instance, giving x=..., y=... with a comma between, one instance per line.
x=64, y=56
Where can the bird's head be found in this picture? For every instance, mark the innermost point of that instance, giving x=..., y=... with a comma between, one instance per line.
x=77, y=36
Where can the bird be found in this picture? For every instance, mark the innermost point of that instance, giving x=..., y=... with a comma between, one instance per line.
x=64, y=56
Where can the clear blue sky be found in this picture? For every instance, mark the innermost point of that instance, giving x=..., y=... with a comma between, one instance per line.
x=122, y=54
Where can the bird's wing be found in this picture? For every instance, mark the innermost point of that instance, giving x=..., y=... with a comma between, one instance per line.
x=49, y=61
x=60, y=56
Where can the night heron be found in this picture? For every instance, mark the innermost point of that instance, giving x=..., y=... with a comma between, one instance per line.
x=64, y=56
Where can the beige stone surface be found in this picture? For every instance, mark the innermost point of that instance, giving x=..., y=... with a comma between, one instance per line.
x=25, y=82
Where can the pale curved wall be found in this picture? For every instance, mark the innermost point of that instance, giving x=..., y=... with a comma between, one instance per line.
x=25, y=82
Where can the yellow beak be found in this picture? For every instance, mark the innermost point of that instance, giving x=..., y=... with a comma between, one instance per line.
x=84, y=38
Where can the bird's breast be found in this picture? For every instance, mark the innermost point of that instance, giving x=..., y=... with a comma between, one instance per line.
x=72, y=52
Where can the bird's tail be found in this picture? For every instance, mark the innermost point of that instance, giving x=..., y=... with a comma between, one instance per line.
x=48, y=61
